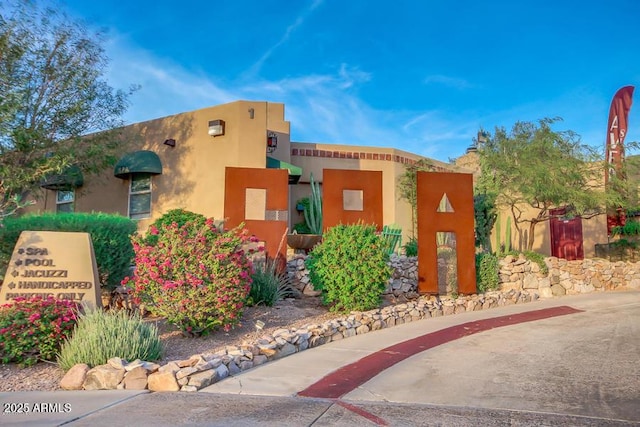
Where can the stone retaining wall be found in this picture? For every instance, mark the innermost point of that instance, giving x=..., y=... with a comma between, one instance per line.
x=403, y=282
x=567, y=277
x=516, y=273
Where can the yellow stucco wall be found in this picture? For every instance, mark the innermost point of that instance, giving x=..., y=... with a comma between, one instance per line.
x=193, y=170
x=594, y=230
x=389, y=160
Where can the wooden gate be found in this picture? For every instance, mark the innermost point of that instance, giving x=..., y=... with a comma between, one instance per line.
x=566, y=236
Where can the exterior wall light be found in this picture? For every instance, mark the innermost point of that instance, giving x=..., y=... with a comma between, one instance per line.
x=272, y=142
x=216, y=127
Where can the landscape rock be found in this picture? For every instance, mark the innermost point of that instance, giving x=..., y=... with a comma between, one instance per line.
x=103, y=377
x=163, y=381
x=202, y=379
x=117, y=363
x=136, y=379
x=521, y=281
x=75, y=377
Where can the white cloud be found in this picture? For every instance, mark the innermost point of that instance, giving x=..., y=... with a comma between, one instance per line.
x=255, y=68
x=321, y=107
x=165, y=87
x=351, y=76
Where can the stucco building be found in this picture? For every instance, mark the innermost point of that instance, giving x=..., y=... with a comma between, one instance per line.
x=182, y=161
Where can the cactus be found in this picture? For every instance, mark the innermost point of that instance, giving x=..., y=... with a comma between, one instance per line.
x=507, y=237
x=503, y=247
x=498, y=233
x=313, y=215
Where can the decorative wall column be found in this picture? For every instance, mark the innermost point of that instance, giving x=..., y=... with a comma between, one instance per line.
x=457, y=188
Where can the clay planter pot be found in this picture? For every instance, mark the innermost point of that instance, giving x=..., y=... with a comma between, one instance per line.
x=303, y=241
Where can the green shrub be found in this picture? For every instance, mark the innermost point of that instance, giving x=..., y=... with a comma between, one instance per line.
x=178, y=216
x=538, y=259
x=630, y=228
x=624, y=244
x=269, y=284
x=484, y=207
x=533, y=257
x=34, y=329
x=302, y=227
x=195, y=276
x=101, y=335
x=487, y=272
x=110, y=235
x=411, y=247
x=350, y=267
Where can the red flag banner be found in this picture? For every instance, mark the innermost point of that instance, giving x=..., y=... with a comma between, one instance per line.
x=614, y=149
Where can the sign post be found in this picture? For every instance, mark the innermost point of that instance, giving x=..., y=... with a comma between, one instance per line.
x=49, y=263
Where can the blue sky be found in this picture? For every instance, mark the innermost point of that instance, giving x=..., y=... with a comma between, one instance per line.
x=418, y=75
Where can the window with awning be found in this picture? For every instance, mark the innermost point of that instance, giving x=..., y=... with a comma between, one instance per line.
x=69, y=179
x=138, y=167
x=295, y=172
x=143, y=161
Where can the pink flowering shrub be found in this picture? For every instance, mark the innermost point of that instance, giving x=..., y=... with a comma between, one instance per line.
x=34, y=329
x=195, y=276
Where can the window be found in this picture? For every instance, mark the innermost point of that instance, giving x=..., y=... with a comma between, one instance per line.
x=140, y=196
x=64, y=200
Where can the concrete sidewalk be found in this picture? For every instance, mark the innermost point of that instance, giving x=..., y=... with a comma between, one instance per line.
x=574, y=369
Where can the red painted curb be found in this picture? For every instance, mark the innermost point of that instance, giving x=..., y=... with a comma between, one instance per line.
x=368, y=415
x=351, y=376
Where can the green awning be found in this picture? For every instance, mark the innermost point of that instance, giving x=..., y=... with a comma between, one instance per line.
x=68, y=179
x=142, y=161
x=295, y=172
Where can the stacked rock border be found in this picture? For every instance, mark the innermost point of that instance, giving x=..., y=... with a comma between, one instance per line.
x=521, y=279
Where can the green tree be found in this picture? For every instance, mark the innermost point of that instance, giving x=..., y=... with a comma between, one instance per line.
x=56, y=109
x=533, y=168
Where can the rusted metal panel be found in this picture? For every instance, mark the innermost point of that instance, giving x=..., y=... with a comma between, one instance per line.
x=335, y=181
x=275, y=183
x=458, y=187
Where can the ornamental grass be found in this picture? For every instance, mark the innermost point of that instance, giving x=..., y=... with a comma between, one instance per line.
x=101, y=335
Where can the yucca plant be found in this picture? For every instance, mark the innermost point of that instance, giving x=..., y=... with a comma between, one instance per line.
x=270, y=283
x=101, y=335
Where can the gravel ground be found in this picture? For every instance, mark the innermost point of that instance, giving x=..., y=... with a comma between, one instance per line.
x=290, y=313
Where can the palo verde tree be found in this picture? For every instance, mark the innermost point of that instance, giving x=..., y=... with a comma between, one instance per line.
x=56, y=109
x=533, y=169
